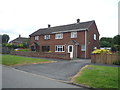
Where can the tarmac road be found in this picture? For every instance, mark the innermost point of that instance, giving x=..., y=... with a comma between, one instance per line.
x=12, y=78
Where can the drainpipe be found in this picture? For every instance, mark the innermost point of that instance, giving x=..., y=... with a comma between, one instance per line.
x=85, y=43
x=76, y=51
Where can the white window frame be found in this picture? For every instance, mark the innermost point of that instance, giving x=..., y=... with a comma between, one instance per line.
x=82, y=47
x=95, y=36
x=46, y=37
x=59, y=46
x=59, y=36
x=36, y=37
x=73, y=34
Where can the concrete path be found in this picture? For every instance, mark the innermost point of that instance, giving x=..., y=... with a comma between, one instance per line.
x=61, y=70
x=12, y=78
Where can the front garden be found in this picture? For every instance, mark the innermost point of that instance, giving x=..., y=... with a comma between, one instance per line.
x=98, y=76
x=11, y=60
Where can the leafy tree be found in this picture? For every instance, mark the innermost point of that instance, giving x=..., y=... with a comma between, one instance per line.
x=5, y=38
x=116, y=39
x=106, y=42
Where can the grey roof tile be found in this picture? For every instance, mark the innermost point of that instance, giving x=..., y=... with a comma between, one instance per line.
x=81, y=25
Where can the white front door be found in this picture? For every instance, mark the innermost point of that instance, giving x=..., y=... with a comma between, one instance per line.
x=70, y=50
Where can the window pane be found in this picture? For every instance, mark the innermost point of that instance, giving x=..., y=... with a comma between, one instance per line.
x=59, y=36
x=60, y=48
x=83, y=48
x=45, y=48
x=70, y=48
x=73, y=34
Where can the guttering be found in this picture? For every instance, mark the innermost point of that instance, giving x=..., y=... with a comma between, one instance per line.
x=85, y=43
x=70, y=30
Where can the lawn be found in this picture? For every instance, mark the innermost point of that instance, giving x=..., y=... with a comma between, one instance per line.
x=18, y=60
x=98, y=76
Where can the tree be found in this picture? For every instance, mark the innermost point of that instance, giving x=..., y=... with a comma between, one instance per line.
x=116, y=39
x=5, y=38
x=106, y=42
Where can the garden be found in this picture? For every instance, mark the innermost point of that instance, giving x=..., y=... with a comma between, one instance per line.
x=97, y=76
x=12, y=60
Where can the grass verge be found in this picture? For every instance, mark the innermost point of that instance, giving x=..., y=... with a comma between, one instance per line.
x=11, y=60
x=98, y=76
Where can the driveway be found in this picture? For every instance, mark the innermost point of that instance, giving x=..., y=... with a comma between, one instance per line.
x=61, y=70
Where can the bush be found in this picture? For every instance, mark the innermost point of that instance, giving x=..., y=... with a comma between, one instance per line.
x=22, y=50
x=99, y=51
x=116, y=62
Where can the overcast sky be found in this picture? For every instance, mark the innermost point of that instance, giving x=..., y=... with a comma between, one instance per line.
x=26, y=16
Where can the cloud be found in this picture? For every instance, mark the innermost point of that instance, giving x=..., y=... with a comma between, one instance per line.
x=26, y=16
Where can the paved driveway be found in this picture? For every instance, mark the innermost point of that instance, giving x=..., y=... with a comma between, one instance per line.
x=61, y=70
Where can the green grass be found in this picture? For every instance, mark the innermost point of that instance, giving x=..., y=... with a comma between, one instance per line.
x=15, y=60
x=98, y=76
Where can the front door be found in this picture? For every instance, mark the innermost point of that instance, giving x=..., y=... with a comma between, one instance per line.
x=70, y=50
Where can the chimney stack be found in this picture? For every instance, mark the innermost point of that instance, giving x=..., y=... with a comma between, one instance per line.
x=78, y=20
x=49, y=25
x=19, y=35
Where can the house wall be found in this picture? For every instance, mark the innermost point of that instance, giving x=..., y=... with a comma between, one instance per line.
x=91, y=43
x=67, y=40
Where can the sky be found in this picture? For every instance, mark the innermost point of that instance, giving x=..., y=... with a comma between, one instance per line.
x=26, y=16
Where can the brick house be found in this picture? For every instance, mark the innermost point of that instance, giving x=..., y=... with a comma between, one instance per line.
x=20, y=40
x=78, y=39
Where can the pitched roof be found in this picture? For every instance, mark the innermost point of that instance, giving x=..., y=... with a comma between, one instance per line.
x=19, y=40
x=63, y=28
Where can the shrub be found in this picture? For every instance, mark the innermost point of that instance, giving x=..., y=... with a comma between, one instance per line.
x=23, y=50
x=50, y=51
x=99, y=51
x=116, y=62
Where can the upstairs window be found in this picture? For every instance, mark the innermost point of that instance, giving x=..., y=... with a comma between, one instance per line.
x=95, y=36
x=36, y=37
x=46, y=37
x=73, y=34
x=59, y=48
x=59, y=36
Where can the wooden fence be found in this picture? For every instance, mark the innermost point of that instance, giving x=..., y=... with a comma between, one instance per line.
x=104, y=58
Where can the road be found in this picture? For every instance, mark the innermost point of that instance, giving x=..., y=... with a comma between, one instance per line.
x=13, y=78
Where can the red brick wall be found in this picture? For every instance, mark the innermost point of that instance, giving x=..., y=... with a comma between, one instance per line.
x=65, y=56
x=90, y=39
x=67, y=41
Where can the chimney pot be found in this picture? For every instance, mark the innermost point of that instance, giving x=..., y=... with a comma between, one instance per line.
x=78, y=20
x=19, y=35
x=49, y=25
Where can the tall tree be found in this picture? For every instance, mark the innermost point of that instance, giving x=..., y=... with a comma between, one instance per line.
x=106, y=42
x=116, y=39
x=5, y=38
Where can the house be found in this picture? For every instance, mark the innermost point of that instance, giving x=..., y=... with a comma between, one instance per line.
x=78, y=39
x=19, y=40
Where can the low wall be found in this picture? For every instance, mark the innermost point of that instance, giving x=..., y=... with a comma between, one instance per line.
x=104, y=58
x=38, y=54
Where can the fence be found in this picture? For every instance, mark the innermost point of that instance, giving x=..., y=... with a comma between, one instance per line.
x=44, y=54
x=105, y=58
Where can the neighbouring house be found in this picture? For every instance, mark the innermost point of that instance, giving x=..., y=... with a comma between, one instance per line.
x=78, y=39
x=20, y=40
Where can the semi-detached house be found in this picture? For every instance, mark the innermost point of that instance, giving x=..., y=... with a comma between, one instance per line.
x=78, y=39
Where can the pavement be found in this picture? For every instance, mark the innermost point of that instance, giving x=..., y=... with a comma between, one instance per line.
x=13, y=78
x=60, y=70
